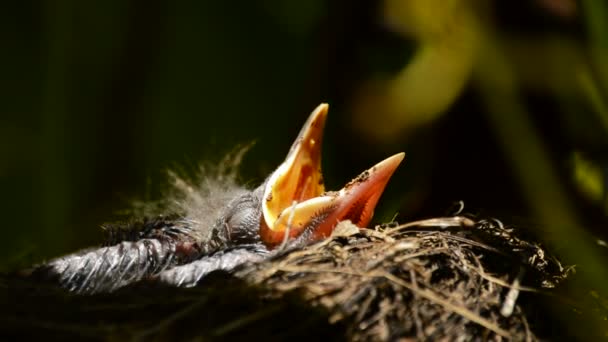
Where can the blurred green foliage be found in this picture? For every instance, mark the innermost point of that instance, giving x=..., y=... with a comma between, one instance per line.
x=500, y=104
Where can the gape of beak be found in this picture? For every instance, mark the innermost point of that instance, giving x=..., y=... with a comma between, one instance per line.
x=295, y=202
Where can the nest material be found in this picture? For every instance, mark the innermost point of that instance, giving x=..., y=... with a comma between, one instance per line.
x=456, y=282
x=440, y=279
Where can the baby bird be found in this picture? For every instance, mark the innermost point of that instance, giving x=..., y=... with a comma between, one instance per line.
x=290, y=208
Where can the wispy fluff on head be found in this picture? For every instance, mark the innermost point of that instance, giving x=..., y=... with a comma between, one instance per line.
x=199, y=198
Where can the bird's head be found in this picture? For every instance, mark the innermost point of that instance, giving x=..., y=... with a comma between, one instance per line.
x=294, y=200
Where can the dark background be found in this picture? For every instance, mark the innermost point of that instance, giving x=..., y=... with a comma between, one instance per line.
x=508, y=114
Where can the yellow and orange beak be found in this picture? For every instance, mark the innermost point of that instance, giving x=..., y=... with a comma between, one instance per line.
x=295, y=200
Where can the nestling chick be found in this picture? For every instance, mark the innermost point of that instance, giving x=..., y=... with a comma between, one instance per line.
x=290, y=207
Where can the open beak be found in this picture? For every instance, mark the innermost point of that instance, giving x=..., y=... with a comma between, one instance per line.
x=295, y=201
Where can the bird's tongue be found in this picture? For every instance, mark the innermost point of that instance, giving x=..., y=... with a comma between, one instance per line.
x=294, y=199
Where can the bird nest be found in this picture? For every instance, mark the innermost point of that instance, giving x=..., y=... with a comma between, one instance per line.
x=448, y=278
x=452, y=278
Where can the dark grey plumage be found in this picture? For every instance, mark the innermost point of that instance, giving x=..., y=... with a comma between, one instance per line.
x=226, y=260
x=216, y=216
x=108, y=268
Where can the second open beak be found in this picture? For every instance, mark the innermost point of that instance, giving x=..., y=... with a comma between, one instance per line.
x=295, y=201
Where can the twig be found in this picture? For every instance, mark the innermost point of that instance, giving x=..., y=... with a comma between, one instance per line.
x=439, y=222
